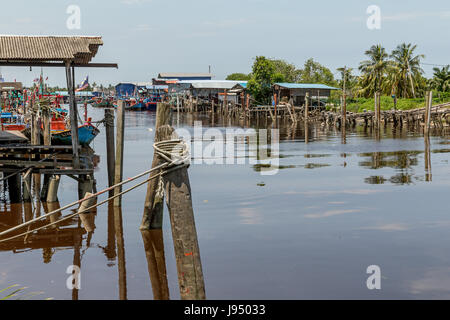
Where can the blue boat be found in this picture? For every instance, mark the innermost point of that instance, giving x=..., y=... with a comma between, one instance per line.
x=86, y=133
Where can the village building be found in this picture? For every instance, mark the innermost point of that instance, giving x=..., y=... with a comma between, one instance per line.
x=318, y=93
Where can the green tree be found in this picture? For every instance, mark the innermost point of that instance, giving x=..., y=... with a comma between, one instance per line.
x=238, y=77
x=373, y=71
x=263, y=76
x=441, y=79
x=287, y=72
x=405, y=74
x=314, y=72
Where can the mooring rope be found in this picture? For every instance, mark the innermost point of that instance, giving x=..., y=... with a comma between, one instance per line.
x=168, y=149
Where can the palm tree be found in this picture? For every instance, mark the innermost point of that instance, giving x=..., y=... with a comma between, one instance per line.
x=441, y=79
x=373, y=70
x=405, y=73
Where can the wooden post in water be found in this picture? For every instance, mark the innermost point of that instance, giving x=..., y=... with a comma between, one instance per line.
x=26, y=187
x=70, y=76
x=47, y=142
x=306, y=106
x=377, y=110
x=52, y=195
x=275, y=103
x=36, y=140
x=110, y=152
x=153, y=206
x=184, y=233
x=428, y=105
x=119, y=151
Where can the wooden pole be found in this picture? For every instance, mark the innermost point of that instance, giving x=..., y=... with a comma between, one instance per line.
x=36, y=140
x=119, y=151
x=153, y=206
x=428, y=105
x=276, y=103
x=45, y=112
x=344, y=102
x=110, y=153
x=73, y=114
x=306, y=106
x=187, y=252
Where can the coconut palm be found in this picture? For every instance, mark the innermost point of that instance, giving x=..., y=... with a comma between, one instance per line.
x=405, y=72
x=441, y=79
x=373, y=70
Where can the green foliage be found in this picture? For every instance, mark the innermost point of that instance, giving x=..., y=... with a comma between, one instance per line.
x=238, y=77
x=441, y=79
x=387, y=103
x=263, y=76
x=286, y=72
x=314, y=72
x=373, y=71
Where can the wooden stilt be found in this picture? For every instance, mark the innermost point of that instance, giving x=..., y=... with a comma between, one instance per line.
x=119, y=151
x=110, y=153
x=187, y=252
x=153, y=207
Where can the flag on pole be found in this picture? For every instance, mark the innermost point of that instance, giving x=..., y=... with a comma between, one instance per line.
x=84, y=85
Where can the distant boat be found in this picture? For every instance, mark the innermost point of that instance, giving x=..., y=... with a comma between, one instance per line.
x=86, y=133
x=102, y=104
x=11, y=122
x=148, y=104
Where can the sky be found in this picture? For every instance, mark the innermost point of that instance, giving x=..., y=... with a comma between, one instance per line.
x=146, y=37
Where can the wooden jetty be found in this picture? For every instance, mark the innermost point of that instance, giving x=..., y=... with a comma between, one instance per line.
x=40, y=157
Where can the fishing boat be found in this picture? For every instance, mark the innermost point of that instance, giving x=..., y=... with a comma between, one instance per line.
x=12, y=122
x=86, y=133
x=101, y=103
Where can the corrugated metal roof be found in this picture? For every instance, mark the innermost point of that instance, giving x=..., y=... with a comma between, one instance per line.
x=11, y=86
x=167, y=75
x=80, y=49
x=213, y=84
x=305, y=86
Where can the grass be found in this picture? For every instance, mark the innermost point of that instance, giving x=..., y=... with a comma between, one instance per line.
x=18, y=293
x=387, y=103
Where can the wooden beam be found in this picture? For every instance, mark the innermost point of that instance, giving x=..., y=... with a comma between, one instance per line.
x=6, y=63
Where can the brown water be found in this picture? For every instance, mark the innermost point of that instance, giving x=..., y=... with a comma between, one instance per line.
x=308, y=232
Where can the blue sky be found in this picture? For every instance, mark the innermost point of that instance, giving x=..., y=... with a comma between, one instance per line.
x=146, y=37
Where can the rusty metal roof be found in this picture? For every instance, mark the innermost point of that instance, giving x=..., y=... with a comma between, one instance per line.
x=79, y=49
x=5, y=86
